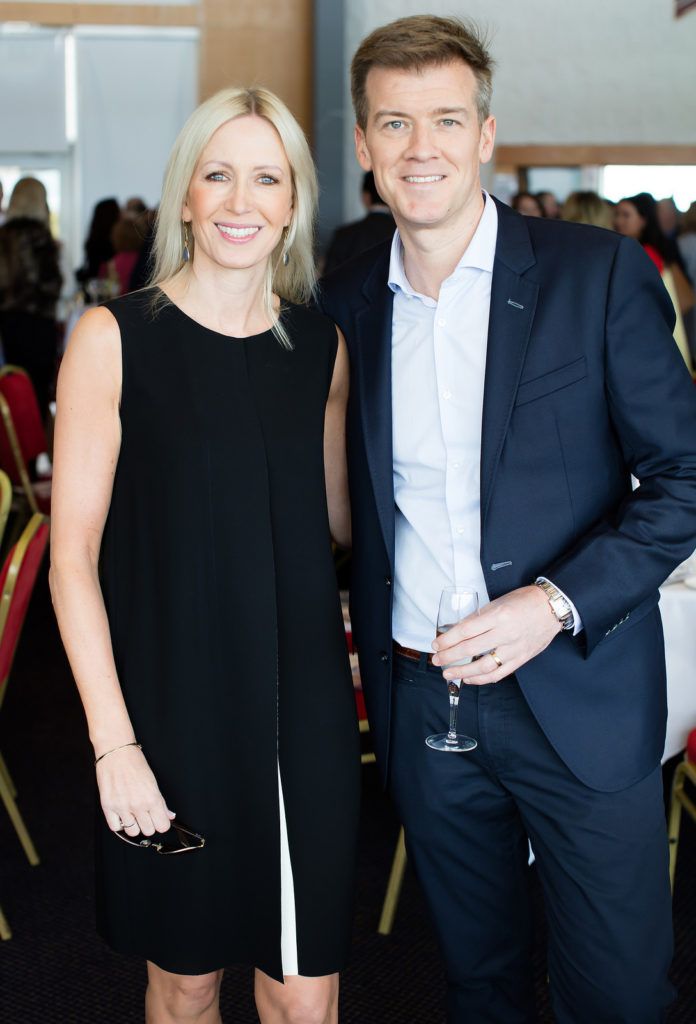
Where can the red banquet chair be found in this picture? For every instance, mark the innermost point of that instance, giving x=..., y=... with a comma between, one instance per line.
x=681, y=800
x=17, y=582
x=22, y=437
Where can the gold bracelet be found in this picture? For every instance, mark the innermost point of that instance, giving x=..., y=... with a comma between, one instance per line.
x=132, y=744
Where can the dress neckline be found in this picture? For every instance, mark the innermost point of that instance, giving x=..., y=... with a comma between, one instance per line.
x=218, y=334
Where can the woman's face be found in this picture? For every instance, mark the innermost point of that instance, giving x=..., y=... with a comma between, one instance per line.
x=627, y=220
x=239, y=199
x=528, y=206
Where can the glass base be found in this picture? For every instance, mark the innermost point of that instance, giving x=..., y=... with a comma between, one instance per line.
x=459, y=745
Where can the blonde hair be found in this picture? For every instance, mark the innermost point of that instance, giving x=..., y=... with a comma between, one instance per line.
x=418, y=42
x=28, y=199
x=587, y=208
x=294, y=280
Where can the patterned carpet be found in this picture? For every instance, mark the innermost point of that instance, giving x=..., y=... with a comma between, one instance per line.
x=55, y=970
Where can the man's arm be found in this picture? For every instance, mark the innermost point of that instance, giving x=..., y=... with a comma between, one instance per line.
x=625, y=557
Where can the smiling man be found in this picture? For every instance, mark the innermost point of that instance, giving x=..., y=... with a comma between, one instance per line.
x=508, y=376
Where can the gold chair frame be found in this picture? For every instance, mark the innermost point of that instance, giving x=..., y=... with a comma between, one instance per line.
x=8, y=790
x=685, y=772
x=22, y=471
x=5, y=501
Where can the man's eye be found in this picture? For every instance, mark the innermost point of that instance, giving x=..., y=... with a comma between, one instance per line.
x=395, y=124
x=448, y=122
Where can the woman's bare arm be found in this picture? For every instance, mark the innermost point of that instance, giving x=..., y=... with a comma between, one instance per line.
x=87, y=443
x=335, y=465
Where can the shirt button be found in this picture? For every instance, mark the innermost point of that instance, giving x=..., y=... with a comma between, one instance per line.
x=456, y=465
x=460, y=529
x=441, y=322
x=447, y=395
x=383, y=656
x=387, y=581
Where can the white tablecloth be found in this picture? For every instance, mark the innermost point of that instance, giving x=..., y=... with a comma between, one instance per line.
x=678, y=609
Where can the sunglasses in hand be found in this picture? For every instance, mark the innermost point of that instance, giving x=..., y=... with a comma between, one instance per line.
x=179, y=839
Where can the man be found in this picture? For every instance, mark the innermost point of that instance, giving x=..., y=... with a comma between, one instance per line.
x=509, y=374
x=352, y=239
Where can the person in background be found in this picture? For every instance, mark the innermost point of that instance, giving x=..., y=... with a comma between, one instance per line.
x=550, y=205
x=99, y=247
x=353, y=239
x=527, y=204
x=668, y=217
x=636, y=217
x=587, y=208
x=30, y=284
x=127, y=241
x=134, y=208
x=142, y=270
x=686, y=242
x=508, y=374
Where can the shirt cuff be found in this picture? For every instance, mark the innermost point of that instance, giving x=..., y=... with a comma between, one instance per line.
x=577, y=621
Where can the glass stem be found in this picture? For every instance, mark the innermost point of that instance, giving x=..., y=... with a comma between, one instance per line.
x=454, y=705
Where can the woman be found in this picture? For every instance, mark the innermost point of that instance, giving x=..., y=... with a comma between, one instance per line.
x=587, y=208
x=636, y=217
x=30, y=283
x=99, y=248
x=201, y=429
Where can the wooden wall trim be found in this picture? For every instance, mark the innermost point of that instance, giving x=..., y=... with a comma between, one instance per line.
x=578, y=156
x=171, y=16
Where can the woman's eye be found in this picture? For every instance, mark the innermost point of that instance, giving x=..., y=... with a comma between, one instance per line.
x=215, y=176
x=268, y=179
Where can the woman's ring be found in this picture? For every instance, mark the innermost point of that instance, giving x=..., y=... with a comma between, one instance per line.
x=129, y=825
x=496, y=659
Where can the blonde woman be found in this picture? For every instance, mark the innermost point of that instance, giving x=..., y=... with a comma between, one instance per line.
x=200, y=462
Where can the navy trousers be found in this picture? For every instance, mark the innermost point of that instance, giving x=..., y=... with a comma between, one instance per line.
x=602, y=860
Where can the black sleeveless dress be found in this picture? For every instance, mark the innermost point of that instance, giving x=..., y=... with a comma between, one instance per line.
x=227, y=631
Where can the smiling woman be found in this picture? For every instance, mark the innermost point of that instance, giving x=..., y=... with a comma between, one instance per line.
x=240, y=147
x=200, y=465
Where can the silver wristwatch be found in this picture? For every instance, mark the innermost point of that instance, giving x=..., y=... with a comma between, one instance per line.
x=560, y=605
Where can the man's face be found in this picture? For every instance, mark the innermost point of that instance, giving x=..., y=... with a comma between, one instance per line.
x=424, y=143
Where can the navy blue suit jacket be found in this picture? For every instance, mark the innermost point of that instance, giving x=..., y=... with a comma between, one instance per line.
x=584, y=385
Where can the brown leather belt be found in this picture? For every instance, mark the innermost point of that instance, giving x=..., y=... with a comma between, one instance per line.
x=410, y=653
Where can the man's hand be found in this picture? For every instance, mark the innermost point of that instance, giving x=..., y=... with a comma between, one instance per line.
x=516, y=626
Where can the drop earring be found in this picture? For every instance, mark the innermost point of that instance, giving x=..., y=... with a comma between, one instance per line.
x=286, y=249
x=187, y=253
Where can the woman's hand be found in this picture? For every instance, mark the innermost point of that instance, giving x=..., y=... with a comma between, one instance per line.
x=129, y=794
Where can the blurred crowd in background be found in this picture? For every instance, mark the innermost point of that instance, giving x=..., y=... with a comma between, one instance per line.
x=118, y=247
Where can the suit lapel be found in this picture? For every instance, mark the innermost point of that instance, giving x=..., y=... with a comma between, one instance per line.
x=513, y=301
x=374, y=329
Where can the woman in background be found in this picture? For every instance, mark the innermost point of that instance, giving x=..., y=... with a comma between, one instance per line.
x=200, y=459
x=587, y=208
x=636, y=217
x=30, y=283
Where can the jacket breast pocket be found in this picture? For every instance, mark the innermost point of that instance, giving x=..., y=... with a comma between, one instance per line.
x=547, y=383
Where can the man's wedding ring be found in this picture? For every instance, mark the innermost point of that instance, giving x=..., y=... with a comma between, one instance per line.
x=496, y=659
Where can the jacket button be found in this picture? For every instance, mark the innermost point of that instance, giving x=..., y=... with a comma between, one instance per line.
x=387, y=580
x=383, y=656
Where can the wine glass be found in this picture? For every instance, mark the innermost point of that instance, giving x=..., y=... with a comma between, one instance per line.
x=456, y=603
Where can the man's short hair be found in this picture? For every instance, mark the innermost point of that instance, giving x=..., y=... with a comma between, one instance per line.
x=418, y=42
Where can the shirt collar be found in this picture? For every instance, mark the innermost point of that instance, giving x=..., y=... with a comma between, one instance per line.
x=479, y=254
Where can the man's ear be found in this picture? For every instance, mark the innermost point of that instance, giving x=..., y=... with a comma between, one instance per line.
x=361, y=150
x=487, y=140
